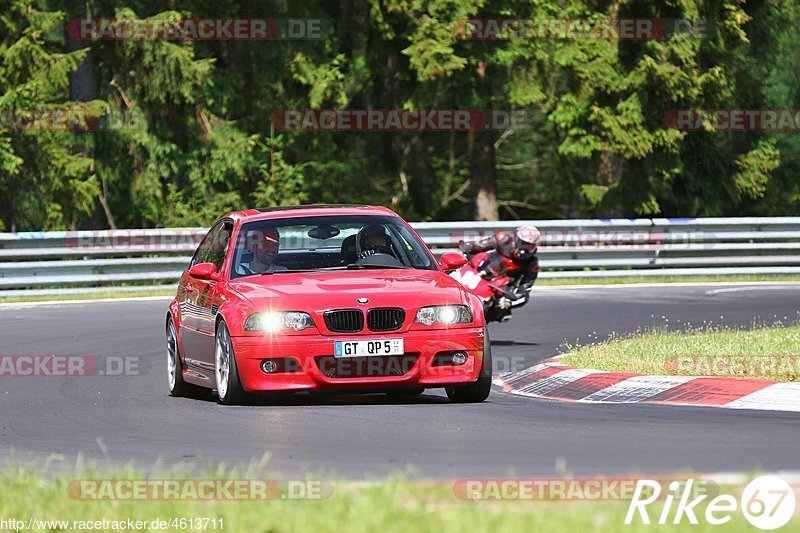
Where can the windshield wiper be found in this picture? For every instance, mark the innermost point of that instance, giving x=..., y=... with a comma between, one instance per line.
x=322, y=269
x=268, y=272
x=356, y=267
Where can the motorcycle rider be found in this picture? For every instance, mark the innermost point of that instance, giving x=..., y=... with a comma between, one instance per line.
x=511, y=249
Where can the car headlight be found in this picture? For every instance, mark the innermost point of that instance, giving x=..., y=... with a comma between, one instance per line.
x=276, y=321
x=444, y=314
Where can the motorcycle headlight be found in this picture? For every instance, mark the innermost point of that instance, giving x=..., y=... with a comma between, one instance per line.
x=276, y=321
x=444, y=314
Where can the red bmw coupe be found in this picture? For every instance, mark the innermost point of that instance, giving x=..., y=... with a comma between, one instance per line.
x=324, y=297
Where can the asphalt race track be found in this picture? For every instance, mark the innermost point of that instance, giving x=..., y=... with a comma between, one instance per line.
x=120, y=419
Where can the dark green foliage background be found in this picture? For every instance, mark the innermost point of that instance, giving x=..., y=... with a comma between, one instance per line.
x=597, y=144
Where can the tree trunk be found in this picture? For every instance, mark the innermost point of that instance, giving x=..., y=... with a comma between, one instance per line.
x=482, y=158
x=81, y=89
x=482, y=175
x=609, y=168
x=81, y=82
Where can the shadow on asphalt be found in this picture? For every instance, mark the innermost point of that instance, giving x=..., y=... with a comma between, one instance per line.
x=513, y=343
x=329, y=398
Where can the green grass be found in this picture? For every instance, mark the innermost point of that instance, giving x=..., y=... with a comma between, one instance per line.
x=762, y=352
x=390, y=505
x=95, y=295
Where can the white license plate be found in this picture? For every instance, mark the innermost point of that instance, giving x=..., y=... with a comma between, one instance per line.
x=368, y=348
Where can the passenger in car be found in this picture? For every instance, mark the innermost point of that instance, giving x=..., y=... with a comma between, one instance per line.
x=263, y=244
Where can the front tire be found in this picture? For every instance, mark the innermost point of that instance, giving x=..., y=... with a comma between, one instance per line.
x=479, y=390
x=229, y=388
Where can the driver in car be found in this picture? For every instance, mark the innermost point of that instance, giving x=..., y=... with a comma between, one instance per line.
x=263, y=244
x=373, y=240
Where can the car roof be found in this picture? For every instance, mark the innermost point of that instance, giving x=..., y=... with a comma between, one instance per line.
x=296, y=211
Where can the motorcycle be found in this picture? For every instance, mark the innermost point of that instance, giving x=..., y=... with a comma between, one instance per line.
x=500, y=293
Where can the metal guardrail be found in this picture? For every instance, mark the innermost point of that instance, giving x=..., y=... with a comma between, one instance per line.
x=73, y=262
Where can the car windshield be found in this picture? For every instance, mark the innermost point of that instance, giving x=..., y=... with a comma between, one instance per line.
x=327, y=243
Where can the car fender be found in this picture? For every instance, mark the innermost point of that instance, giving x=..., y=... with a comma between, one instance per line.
x=234, y=310
x=476, y=306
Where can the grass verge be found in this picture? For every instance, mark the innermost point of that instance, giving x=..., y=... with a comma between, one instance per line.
x=390, y=505
x=764, y=352
x=95, y=295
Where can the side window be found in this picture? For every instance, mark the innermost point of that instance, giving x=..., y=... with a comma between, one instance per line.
x=220, y=245
x=214, y=245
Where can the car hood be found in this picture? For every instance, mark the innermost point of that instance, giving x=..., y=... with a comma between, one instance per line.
x=318, y=291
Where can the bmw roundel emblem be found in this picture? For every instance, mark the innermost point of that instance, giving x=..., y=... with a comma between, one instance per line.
x=362, y=300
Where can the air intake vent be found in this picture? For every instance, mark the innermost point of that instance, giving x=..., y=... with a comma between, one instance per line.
x=344, y=320
x=385, y=318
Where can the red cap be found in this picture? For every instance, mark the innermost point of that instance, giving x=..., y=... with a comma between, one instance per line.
x=262, y=240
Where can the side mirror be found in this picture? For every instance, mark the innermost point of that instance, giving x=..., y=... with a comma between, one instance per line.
x=206, y=271
x=452, y=261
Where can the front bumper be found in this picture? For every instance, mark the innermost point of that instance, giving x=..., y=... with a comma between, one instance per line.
x=317, y=368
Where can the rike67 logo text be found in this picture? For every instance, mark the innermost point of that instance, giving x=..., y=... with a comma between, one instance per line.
x=767, y=502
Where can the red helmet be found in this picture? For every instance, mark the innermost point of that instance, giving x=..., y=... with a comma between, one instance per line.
x=262, y=240
x=526, y=241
